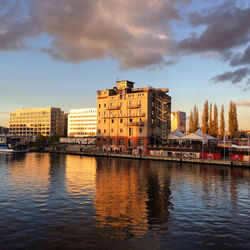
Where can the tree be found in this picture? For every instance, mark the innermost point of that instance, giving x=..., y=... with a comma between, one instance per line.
x=210, y=128
x=204, y=127
x=195, y=119
x=191, y=122
x=40, y=138
x=232, y=120
x=215, y=122
x=222, y=121
x=54, y=138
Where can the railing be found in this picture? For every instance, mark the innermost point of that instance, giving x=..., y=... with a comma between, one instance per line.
x=113, y=107
x=134, y=124
x=134, y=106
x=123, y=115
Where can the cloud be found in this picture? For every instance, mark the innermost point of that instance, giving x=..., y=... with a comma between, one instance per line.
x=241, y=58
x=226, y=26
x=137, y=33
x=244, y=103
x=233, y=77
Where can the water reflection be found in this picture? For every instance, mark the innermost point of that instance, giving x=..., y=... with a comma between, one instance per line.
x=56, y=201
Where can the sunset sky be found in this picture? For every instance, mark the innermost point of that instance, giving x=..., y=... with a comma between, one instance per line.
x=59, y=52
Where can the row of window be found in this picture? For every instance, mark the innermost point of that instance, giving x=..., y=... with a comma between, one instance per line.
x=121, y=120
x=121, y=131
x=121, y=141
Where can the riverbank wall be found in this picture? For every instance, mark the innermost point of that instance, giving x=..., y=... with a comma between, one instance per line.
x=151, y=157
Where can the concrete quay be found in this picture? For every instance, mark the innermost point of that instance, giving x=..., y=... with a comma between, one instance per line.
x=151, y=157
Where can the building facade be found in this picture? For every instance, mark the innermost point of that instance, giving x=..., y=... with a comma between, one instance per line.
x=178, y=121
x=82, y=122
x=31, y=122
x=129, y=117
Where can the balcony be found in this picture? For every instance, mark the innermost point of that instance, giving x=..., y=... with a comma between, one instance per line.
x=123, y=115
x=113, y=107
x=134, y=124
x=134, y=106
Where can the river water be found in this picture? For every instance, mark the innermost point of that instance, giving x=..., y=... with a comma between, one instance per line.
x=75, y=202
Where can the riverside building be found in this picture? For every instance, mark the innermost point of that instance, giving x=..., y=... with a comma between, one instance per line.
x=31, y=122
x=129, y=117
x=82, y=122
x=178, y=121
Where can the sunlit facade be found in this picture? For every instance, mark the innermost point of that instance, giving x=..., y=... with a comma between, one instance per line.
x=178, y=121
x=129, y=117
x=82, y=122
x=31, y=122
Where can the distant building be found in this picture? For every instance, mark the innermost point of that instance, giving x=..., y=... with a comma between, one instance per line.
x=178, y=121
x=3, y=130
x=30, y=122
x=129, y=117
x=82, y=122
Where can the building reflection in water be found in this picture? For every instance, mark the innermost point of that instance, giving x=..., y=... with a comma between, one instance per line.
x=130, y=197
x=80, y=175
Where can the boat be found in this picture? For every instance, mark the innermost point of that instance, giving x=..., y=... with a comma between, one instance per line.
x=10, y=144
x=13, y=150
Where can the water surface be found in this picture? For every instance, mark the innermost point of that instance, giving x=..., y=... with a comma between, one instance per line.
x=74, y=202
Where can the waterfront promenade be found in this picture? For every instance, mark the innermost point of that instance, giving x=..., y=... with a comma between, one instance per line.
x=97, y=153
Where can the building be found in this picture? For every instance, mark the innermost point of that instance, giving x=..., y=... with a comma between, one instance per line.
x=129, y=117
x=82, y=122
x=178, y=121
x=3, y=130
x=31, y=122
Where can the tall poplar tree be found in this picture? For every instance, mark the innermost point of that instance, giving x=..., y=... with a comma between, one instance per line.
x=204, y=127
x=215, y=121
x=222, y=122
x=191, y=122
x=210, y=128
x=195, y=118
x=232, y=120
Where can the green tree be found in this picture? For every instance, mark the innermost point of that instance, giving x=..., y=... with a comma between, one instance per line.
x=222, y=122
x=54, y=138
x=204, y=127
x=40, y=139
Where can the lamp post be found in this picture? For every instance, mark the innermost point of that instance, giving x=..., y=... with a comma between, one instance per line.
x=224, y=142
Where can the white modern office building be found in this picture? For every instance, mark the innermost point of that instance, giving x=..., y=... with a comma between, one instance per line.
x=82, y=122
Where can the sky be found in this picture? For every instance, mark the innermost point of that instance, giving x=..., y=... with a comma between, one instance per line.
x=60, y=52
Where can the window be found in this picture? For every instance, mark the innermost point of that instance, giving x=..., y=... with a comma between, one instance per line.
x=99, y=121
x=130, y=142
x=99, y=105
x=112, y=121
x=140, y=130
x=112, y=130
x=104, y=131
x=104, y=105
x=130, y=120
x=99, y=131
x=121, y=130
x=112, y=141
x=104, y=121
x=99, y=113
x=121, y=142
x=140, y=142
x=130, y=131
x=104, y=139
x=121, y=120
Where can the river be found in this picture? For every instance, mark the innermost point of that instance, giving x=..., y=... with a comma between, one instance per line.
x=58, y=201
